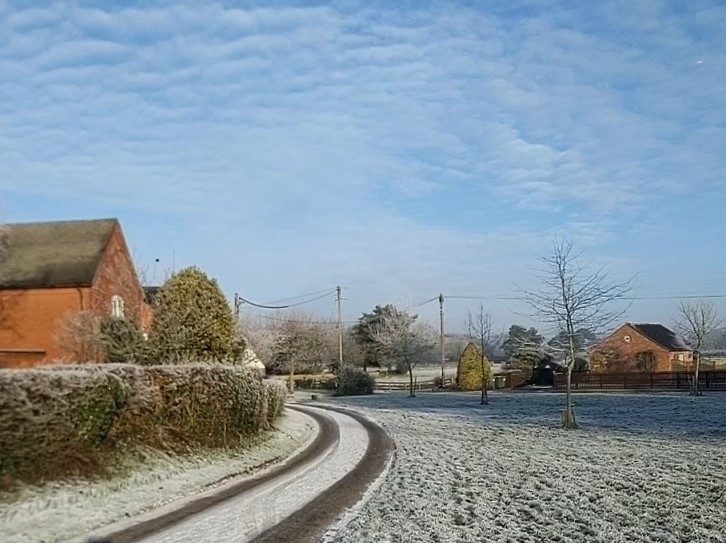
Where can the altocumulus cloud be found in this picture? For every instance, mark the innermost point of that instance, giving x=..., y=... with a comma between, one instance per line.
x=389, y=149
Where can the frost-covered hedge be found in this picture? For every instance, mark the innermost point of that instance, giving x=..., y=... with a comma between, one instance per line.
x=72, y=421
x=276, y=393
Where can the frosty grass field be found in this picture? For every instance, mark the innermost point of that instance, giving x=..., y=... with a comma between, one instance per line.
x=642, y=468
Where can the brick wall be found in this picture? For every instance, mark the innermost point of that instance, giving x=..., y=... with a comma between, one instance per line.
x=30, y=319
x=617, y=354
x=117, y=277
x=29, y=322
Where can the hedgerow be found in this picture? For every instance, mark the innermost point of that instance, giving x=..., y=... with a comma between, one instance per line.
x=71, y=421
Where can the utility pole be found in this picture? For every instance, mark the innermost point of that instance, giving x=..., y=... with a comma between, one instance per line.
x=441, y=339
x=237, y=304
x=340, y=326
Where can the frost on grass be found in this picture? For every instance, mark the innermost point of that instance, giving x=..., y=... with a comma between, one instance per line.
x=57, y=512
x=646, y=468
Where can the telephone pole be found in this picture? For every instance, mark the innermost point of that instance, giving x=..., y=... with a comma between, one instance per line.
x=338, y=299
x=441, y=339
x=237, y=304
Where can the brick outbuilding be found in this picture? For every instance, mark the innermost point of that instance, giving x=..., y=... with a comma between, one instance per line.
x=641, y=347
x=51, y=270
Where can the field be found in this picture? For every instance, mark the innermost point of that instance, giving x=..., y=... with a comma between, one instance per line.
x=645, y=468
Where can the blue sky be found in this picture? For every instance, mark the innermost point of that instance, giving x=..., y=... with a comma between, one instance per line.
x=398, y=149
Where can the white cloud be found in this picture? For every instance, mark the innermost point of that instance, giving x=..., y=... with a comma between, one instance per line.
x=384, y=126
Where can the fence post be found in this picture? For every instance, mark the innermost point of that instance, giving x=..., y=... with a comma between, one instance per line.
x=652, y=384
x=625, y=380
x=601, y=385
x=708, y=379
x=678, y=380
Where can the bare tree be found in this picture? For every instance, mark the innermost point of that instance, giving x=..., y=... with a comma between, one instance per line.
x=260, y=335
x=301, y=344
x=573, y=297
x=479, y=326
x=697, y=320
x=353, y=352
x=404, y=341
x=79, y=336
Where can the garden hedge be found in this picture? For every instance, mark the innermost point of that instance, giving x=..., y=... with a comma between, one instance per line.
x=70, y=421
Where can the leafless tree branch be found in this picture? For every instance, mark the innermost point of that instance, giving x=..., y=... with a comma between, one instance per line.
x=479, y=326
x=697, y=320
x=573, y=297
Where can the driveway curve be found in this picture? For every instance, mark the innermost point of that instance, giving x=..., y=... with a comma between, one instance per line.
x=296, y=502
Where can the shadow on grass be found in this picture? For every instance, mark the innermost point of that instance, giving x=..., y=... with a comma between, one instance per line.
x=674, y=415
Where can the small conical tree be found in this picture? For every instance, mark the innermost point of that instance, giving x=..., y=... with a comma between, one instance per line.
x=123, y=340
x=193, y=322
x=469, y=372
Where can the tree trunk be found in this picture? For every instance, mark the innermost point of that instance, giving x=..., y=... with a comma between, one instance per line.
x=568, y=415
x=291, y=385
x=694, y=389
x=412, y=392
x=484, y=394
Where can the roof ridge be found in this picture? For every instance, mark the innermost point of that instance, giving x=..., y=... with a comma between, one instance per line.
x=62, y=221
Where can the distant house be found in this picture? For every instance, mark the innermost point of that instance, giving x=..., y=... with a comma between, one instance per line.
x=53, y=269
x=641, y=347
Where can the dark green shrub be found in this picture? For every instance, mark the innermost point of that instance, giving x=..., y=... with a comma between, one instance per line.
x=354, y=382
x=123, y=340
x=193, y=322
x=99, y=407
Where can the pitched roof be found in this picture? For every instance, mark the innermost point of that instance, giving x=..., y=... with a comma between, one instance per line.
x=54, y=254
x=661, y=335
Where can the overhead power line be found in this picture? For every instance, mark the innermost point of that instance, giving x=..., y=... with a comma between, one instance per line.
x=462, y=297
x=627, y=298
x=331, y=322
x=286, y=306
x=307, y=295
x=688, y=297
x=420, y=304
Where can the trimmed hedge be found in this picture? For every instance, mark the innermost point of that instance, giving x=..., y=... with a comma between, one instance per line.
x=70, y=421
x=276, y=393
x=354, y=382
x=325, y=382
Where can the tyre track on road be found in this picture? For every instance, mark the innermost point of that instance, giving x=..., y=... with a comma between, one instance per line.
x=223, y=515
x=327, y=436
x=309, y=524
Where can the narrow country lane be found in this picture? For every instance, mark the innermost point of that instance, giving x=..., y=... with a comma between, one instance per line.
x=246, y=516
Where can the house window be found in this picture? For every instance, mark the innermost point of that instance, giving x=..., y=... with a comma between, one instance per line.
x=681, y=357
x=117, y=307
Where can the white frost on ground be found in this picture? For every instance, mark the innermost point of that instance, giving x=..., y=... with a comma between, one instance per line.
x=642, y=468
x=242, y=518
x=352, y=512
x=59, y=512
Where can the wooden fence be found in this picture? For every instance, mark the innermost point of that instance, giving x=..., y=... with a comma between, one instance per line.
x=677, y=380
x=419, y=386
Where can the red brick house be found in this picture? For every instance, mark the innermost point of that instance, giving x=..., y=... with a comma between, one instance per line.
x=55, y=269
x=641, y=347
